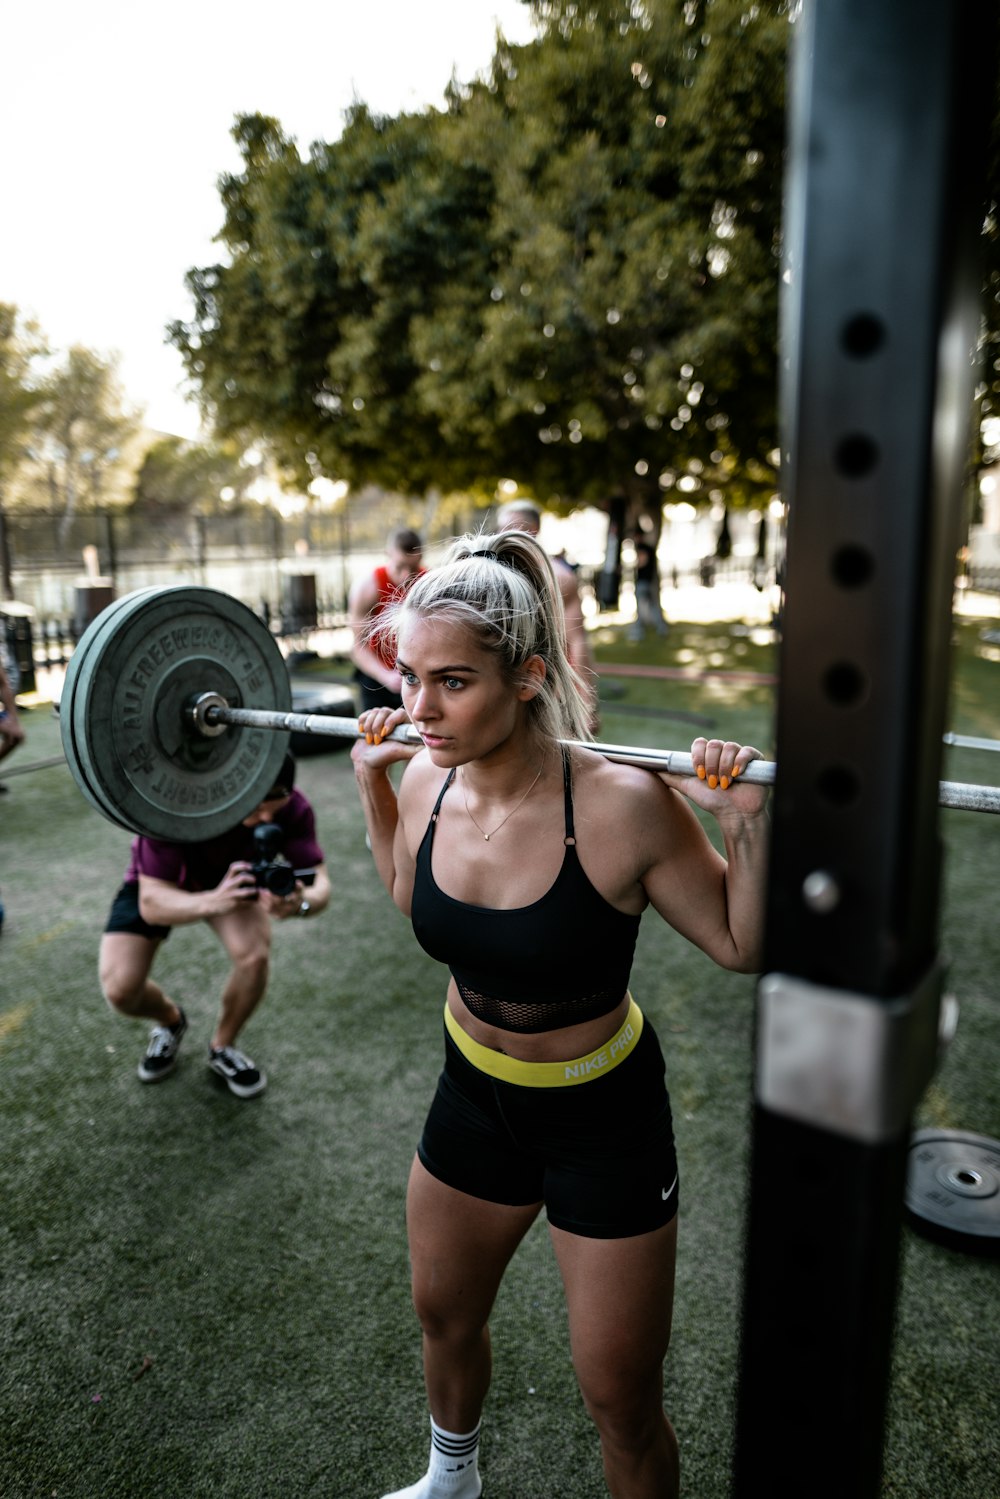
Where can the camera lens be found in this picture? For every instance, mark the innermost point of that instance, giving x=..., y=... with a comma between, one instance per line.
x=280, y=879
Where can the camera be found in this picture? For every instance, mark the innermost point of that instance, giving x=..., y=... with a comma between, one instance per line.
x=270, y=869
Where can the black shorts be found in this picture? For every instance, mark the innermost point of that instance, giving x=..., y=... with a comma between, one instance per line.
x=124, y=916
x=600, y=1154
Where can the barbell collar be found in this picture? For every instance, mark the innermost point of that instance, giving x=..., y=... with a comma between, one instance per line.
x=198, y=714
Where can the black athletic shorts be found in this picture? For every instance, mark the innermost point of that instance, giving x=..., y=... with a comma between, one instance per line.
x=599, y=1154
x=124, y=915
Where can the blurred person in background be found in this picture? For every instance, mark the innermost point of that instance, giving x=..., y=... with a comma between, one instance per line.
x=522, y=515
x=648, y=611
x=11, y=730
x=374, y=664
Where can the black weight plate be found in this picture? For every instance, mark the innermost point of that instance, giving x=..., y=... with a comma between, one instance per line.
x=153, y=772
x=99, y=633
x=73, y=677
x=953, y=1189
x=87, y=731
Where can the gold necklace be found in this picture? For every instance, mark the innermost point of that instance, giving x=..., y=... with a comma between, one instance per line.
x=488, y=835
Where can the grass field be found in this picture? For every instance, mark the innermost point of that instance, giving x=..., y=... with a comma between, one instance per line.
x=202, y=1296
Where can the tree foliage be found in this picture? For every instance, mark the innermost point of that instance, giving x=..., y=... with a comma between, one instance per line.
x=178, y=477
x=81, y=429
x=988, y=450
x=568, y=278
x=21, y=346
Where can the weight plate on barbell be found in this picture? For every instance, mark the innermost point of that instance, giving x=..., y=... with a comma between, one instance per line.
x=138, y=754
x=89, y=734
x=953, y=1189
x=73, y=676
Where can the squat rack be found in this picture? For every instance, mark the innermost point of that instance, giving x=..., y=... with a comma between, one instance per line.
x=880, y=321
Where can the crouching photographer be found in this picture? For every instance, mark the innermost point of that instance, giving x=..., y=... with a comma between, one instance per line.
x=268, y=867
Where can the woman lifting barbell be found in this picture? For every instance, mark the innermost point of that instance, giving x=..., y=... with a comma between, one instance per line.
x=525, y=866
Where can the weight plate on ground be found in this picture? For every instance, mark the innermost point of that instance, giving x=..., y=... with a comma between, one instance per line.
x=139, y=755
x=953, y=1189
x=73, y=675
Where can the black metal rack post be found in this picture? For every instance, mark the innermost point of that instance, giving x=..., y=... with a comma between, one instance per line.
x=880, y=322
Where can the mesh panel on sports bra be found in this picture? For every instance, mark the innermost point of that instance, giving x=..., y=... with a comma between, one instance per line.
x=529, y=1016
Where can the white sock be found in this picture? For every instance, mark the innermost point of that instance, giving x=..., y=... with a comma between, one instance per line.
x=453, y=1471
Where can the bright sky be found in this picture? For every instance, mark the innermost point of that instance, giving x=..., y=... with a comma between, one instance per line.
x=114, y=128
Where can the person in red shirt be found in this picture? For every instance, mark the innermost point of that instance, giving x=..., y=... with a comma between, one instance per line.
x=374, y=662
x=176, y=884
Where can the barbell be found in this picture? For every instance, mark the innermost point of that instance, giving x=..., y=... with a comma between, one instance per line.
x=175, y=706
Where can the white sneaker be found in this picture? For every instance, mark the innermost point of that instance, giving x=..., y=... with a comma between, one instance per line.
x=240, y=1074
x=161, y=1053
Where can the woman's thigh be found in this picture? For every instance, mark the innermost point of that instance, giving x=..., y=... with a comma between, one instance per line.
x=460, y=1247
x=620, y=1295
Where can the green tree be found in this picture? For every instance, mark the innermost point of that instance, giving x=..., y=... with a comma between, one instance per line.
x=21, y=346
x=988, y=394
x=568, y=278
x=177, y=477
x=80, y=432
x=294, y=341
x=630, y=329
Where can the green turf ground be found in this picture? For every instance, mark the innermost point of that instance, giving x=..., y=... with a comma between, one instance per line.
x=206, y=1297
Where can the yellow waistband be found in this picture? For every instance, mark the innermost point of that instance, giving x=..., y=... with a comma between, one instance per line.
x=549, y=1074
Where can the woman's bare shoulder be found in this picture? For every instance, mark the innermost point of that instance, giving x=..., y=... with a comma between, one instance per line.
x=624, y=788
x=421, y=781
x=623, y=802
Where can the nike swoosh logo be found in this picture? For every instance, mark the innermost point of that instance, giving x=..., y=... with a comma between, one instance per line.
x=665, y=1192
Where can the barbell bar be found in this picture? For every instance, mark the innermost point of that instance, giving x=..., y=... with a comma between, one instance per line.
x=23, y=770
x=970, y=741
x=210, y=714
x=176, y=701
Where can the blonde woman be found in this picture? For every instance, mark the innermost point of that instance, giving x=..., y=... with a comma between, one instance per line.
x=525, y=867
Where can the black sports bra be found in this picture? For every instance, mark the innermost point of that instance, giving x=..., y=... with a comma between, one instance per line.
x=562, y=960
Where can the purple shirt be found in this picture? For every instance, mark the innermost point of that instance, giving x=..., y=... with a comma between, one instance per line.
x=202, y=866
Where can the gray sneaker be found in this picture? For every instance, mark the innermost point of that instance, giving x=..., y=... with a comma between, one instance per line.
x=161, y=1053
x=242, y=1077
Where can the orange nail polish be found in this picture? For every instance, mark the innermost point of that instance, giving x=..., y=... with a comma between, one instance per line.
x=713, y=781
x=701, y=772
x=369, y=739
x=724, y=782
x=737, y=769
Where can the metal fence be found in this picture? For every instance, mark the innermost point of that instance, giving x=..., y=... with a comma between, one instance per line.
x=33, y=541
